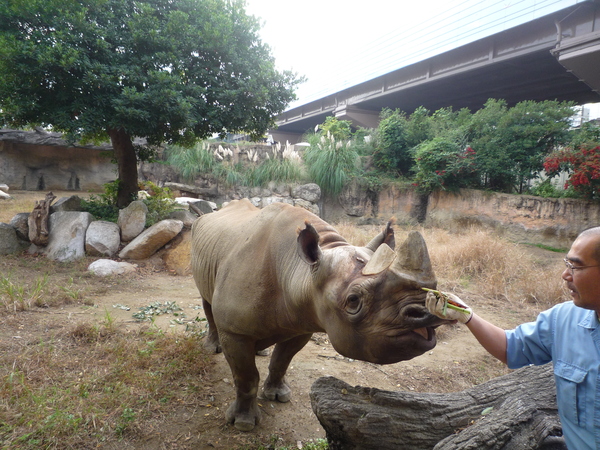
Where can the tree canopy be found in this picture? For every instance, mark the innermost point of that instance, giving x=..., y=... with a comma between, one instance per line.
x=167, y=71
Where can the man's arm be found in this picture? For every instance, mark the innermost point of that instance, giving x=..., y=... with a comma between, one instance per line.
x=491, y=337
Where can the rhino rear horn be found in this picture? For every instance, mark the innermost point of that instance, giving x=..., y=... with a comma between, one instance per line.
x=413, y=258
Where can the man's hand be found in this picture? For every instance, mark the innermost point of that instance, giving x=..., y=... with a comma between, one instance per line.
x=448, y=306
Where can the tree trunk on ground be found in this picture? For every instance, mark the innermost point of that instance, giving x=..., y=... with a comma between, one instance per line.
x=38, y=221
x=127, y=164
x=515, y=411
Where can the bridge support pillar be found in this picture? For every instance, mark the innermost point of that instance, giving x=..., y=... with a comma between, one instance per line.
x=359, y=117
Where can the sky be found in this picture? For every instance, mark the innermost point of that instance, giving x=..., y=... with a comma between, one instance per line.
x=340, y=43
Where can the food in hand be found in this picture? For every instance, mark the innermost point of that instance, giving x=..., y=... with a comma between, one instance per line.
x=448, y=301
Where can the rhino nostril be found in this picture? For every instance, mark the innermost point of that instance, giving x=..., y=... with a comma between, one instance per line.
x=414, y=312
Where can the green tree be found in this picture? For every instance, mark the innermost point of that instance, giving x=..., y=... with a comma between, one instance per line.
x=167, y=71
x=511, y=143
x=393, y=153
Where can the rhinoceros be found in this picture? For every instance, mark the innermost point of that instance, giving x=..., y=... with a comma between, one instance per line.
x=279, y=274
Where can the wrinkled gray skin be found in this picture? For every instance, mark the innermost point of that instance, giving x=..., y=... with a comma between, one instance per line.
x=280, y=274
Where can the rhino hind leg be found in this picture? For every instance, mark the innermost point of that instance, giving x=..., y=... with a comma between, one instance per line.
x=211, y=341
x=275, y=387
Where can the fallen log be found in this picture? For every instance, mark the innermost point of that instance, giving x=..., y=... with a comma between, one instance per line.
x=515, y=411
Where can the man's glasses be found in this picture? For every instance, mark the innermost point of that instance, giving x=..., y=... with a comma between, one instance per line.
x=573, y=268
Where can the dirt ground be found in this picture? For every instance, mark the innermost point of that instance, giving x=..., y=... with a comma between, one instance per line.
x=456, y=363
x=457, y=357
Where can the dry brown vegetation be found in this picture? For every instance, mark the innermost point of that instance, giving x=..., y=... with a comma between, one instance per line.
x=97, y=385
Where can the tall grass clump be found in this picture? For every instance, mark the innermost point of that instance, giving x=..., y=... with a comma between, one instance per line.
x=283, y=166
x=331, y=163
x=192, y=162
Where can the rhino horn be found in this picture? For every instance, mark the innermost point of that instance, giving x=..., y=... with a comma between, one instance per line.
x=413, y=259
x=383, y=257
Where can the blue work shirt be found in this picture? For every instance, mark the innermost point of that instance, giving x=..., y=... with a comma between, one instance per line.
x=568, y=336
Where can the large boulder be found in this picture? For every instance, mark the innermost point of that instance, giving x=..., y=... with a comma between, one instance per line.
x=106, y=267
x=310, y=192
x=187, y=217
x=102, y=238
x=9, y=243
x=155, y=237
x=20, y=223
x=312, y=207
x=132, y=220
x=66, y=241
x=72, y=203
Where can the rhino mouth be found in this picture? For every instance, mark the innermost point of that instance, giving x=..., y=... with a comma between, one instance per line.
x=428, y=333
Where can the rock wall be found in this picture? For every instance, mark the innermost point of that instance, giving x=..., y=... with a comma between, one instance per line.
x=520, y=218
x=50, y=167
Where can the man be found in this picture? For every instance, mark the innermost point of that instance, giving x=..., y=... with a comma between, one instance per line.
x=568, y=334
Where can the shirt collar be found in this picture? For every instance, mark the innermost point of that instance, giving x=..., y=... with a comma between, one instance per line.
x=590, y=320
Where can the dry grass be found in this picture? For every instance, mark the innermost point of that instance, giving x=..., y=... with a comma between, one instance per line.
x=91, y=386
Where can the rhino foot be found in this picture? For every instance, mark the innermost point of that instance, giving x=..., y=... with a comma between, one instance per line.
x=280, y=392
x=243, y=420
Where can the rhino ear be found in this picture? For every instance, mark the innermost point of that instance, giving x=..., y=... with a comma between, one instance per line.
x=308, y=244
x=385, y=237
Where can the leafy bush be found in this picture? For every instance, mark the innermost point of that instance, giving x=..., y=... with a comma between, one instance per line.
x=442, y=164
x=104, y=206
x=583, y=164
x=160, y=203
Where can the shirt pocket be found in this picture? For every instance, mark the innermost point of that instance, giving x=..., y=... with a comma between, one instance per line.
x=570, y=391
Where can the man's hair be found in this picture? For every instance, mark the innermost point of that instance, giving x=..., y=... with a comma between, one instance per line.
x=593, y=231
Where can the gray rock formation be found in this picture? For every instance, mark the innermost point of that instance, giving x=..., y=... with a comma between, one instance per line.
x=102, y=238
x=132, y=220
x=106, y=267
x=155, y=237
x=19, y=222
x=9, y=243
x=67, y=235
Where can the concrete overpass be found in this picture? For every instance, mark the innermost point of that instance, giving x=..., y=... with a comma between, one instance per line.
x=555, y=57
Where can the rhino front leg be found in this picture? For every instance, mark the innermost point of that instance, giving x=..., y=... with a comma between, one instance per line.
x=275, y=387
x=244, y=412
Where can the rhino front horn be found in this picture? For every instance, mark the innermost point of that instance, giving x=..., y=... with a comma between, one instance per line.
x=413, y=258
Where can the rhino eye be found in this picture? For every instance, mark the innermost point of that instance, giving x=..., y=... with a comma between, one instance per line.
x=353, y=304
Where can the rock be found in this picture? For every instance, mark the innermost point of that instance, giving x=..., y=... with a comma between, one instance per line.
x=132, y=220
x=186, y=217
x=19, y=222
x=266, y=201
x=155, y=237
x=312, y=207
x=66, y=241
x=9, y=243
x=72, y=203
x=204, y=206
x=310, y=192
x=177, y=256
x=106, y=267
x=102, y=238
